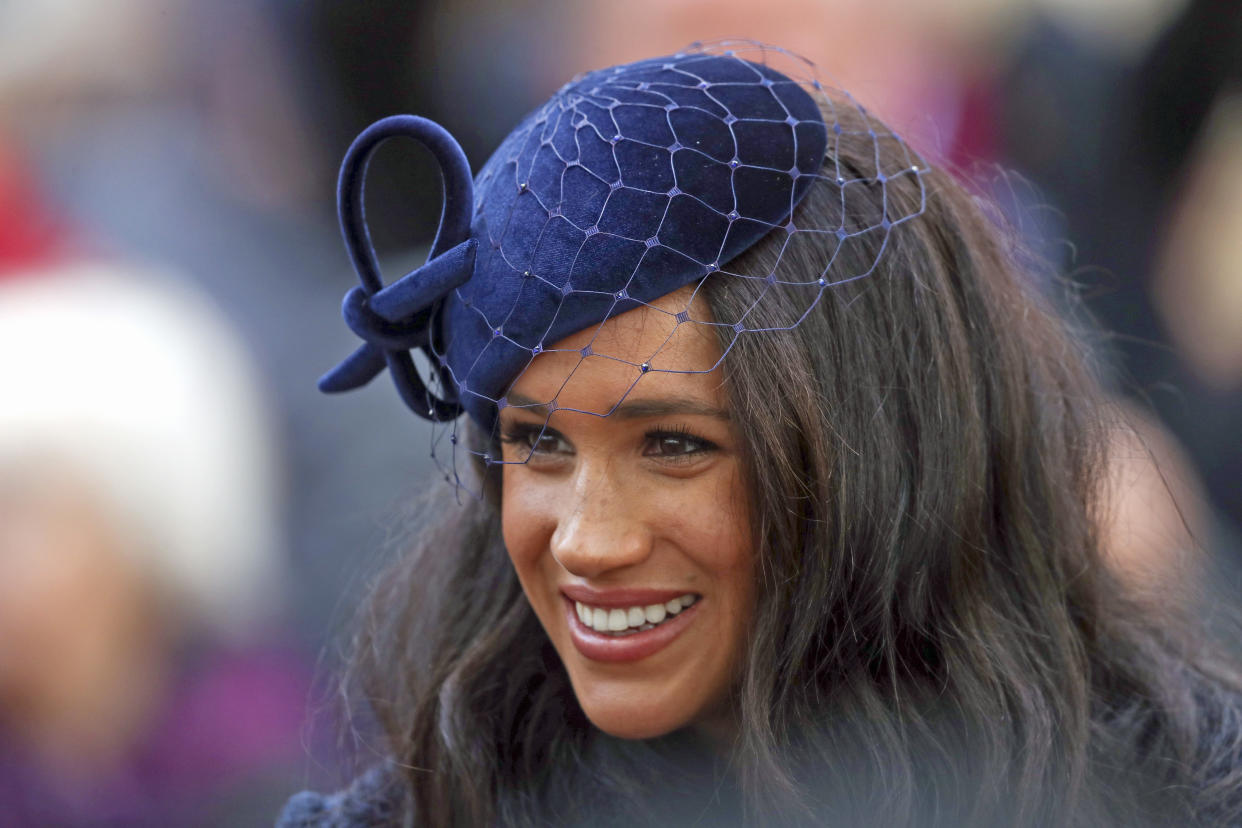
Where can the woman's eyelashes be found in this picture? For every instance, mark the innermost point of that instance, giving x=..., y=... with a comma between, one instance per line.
x=671, y=444
x=678, y=444
x=533, y=440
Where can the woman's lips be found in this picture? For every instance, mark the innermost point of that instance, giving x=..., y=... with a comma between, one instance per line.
x=600, y=646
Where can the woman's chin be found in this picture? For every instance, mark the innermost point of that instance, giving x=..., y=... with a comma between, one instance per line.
x=632, y=707
x=626, y=725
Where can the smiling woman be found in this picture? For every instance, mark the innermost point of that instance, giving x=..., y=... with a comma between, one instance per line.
x=789, y=489
x=629, y=532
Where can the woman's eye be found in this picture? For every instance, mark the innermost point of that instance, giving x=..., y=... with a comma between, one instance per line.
x=676, y=445
x=549, y=443
x=537, y=441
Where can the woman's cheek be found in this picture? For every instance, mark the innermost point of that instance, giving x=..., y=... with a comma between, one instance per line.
x=527, y=521
x=518, y=522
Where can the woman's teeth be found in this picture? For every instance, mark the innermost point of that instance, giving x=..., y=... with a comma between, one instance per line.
x=632, y=620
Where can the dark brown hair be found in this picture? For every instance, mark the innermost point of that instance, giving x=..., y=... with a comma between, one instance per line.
x=937, y=638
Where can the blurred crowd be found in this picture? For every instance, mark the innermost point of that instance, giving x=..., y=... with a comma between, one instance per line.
x=185, y=522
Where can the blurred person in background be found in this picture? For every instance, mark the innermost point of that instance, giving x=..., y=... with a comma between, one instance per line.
x=1126, y=119
x=192, y=136
x=141, y=570
x=169, y=133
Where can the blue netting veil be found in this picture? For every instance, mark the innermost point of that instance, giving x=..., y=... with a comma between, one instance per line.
x=630, y=184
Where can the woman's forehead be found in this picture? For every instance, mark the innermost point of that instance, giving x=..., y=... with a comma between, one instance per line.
x=596, y=369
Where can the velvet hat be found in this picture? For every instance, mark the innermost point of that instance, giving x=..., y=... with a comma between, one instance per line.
x=629, y=183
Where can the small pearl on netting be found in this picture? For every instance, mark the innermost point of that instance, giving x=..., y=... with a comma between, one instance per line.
x=537, y=349
x=914, y=168
x=621, y=294
x=522, y=187
x=733, y=215
x=821, y=281
x=734, y=163
x=525, y=274
x=453, y=439
x=495, y=331
x=645, y=367
x=840, y=180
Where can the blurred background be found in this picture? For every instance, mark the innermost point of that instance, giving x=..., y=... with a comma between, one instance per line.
x=185, y=523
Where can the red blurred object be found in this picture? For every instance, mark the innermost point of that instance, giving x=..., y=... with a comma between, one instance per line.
x=31, y=235
x=975, y=140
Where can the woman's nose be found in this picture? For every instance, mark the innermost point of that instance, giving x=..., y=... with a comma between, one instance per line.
x=601, y=525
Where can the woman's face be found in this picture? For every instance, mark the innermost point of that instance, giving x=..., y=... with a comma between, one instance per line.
x=630, y=532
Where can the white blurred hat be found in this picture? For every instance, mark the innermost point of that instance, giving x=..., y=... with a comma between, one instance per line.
x=143, y=390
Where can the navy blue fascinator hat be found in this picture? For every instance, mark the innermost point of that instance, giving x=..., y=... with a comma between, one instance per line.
x=629, y=183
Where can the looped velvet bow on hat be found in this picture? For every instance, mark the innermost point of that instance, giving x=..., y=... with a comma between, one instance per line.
x=628, y=184
x=396, y=319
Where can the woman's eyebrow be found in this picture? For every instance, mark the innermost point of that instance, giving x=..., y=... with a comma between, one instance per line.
x=633, y=409
x=636, y=409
